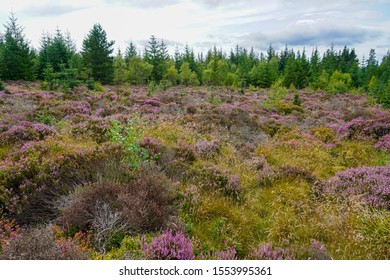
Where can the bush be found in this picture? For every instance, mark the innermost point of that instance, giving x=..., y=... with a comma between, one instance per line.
x=8, y=231
x=370, y=184
x=41, y=244
x=362, y=129
x=316, y=251
x=384, y=143
x=324, y=134
x=26, y=131
x=143, y=204
x=129, y=135
x=339, y=82
x=169, y=246
x=207, y=149
x=268, y=252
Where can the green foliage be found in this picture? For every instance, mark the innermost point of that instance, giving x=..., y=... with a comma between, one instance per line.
x=2, y=87
x=339, y=82
x=152, y=87
x=119, y=70
x=129, y=135
x=16, y=57
x=97, y=54
x=214, y=99
x=66, y=79
x=57, y=52
x=297, y=101
x=139, y=71
x=156, y=54
x=172, y=75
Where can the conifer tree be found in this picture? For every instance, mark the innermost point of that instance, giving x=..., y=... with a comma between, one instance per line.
x=156, y=54
x=17, y=58
x=97, y=54
x=131, y=51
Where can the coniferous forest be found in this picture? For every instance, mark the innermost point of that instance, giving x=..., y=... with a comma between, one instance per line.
x=229, y=154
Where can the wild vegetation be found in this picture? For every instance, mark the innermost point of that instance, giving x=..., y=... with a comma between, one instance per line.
x=158, y=157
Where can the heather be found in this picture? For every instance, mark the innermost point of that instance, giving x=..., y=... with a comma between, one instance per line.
x=196, y=172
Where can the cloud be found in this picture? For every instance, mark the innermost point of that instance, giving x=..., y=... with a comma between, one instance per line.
x=50, y=10
x=308, y=34
x=147, y=4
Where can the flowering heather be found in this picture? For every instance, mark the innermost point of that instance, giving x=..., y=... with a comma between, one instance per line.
x=317, y=251
x=151, y=102
x=8, y=230
x=169, y=246
x=152, y=145
x=266, y=174
x=384, y=143
x=268, y=252
x=369, y=183
x=230, y=253
x=26, y=131
x=362, y=129
x=206, y=148
x=233, y=187
x=74, y=107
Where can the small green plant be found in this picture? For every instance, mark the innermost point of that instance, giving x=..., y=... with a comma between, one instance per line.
x=297, y=101
x=2, y=87
x=214, y=99
x=129, y=135
x=152, y=87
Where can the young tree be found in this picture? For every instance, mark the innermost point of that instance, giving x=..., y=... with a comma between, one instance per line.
x=131, y=51
x=119, y=69
x=97, y=54
x=139, y=71
x=172, y=74
x=156, y=54
x=55, y=52
x=17, y=58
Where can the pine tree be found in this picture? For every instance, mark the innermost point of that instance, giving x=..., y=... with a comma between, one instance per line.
x=17, y=59
x=97, y=54
x=156, y=54
x=131, y=51
x=55, y=52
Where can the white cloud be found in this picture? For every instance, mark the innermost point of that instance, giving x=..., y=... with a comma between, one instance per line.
x=202, y=23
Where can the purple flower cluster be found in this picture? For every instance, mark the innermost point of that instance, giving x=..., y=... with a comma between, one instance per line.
x=169, y=246
x=233, y=187
x=369, y=183
x=206, y=148
x=268, y=252
x=73, y=107
x=26, y=131
x=384, y=143
x=230, y=253
x=152, y=102
x=8, y=230
x=363, y=129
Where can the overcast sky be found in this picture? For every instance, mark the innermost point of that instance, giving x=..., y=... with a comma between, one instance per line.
x=202, y=24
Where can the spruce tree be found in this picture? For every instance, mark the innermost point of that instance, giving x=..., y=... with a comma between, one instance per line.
x=17, y=58
x=131, y=51
x=156, y=54
x=97, y=55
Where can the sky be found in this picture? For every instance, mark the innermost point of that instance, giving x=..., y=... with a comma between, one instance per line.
x=202, y=24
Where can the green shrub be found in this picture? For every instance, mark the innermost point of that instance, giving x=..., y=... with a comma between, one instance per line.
x=129, y=135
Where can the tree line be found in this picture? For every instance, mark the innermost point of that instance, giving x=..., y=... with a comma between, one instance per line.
x=57, y=63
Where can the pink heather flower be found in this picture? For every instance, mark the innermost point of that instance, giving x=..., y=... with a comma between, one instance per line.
x=169, y=246
x=369, y=183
